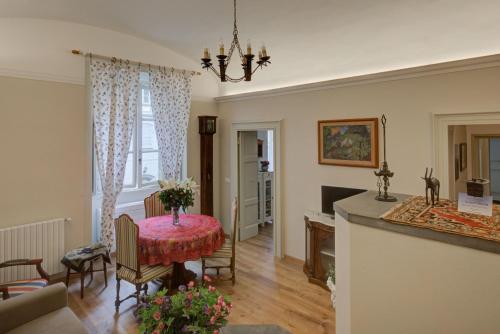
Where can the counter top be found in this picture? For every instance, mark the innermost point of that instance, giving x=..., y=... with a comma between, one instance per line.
x=363, y=209
x=320, y=217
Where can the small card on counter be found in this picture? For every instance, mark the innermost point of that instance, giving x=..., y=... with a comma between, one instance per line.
x=477, y=205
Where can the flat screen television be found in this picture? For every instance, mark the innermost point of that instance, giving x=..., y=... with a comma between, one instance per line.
x=330, y=195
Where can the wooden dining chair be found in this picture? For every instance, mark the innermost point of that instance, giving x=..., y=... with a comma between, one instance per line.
x=153, y=207
x=228, y=250
x=128, y=267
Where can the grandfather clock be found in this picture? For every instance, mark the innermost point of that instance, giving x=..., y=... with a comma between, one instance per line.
x=207, y=129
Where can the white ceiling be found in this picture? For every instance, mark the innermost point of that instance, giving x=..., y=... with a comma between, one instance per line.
x=308, y=41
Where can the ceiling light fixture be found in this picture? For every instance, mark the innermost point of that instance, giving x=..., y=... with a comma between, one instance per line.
x=246, y=59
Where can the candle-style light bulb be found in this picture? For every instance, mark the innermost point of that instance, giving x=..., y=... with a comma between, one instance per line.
x=264, y=50
x=260, y=55
x=249, y=48
x=206, y=54
x=221, y=47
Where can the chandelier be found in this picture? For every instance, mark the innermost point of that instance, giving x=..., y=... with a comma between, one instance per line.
x=246, y=59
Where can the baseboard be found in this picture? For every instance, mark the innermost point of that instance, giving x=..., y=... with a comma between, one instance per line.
x=293, y=260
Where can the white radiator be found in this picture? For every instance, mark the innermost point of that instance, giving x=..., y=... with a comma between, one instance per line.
x=38, y=240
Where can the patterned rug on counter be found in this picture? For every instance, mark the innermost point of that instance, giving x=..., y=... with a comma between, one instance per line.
x=444, y=217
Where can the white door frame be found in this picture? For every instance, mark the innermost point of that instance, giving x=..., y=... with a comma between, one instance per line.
x=440, y=135
x=278, y=230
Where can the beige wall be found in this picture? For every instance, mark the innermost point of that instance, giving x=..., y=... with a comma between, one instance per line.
x=44, y=145
x=408, y=104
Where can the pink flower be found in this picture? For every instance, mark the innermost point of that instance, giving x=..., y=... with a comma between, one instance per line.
x=191, y=284
x=189, y=295
x=159, y=300
x=217, y=308
x=212, y=320
x=220, y=300
x=207, y=278
x=156, y=331
x=157, y=315
x=161, y=325
x=216, y=331
x=211, y=289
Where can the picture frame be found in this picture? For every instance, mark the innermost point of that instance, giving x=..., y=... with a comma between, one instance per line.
x=463, y=156
x=348, y=142
x=457, y=161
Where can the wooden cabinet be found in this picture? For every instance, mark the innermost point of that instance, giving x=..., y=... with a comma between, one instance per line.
x=320, y=247
x=265, y=197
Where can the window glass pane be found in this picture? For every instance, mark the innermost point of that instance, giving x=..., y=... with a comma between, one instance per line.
x=150, y=170
x=149, y=141
x=129, y=171
x=146, y=103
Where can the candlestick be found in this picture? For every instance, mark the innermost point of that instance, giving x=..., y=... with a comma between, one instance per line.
x=264, y=51
x=221, y=47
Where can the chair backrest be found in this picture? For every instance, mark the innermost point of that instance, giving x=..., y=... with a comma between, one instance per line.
x=153, y=207
x=127, y=238
x=234, y=233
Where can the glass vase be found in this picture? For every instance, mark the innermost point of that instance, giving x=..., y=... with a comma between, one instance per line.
x=175, y=216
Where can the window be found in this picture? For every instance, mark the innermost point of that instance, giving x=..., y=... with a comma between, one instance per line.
x=143, y=167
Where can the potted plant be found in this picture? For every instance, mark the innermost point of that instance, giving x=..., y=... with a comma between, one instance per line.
x=330, y=282
x=177, y=194
x=192, y=310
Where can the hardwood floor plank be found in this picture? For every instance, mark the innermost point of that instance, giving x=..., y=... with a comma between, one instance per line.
x=267, y=291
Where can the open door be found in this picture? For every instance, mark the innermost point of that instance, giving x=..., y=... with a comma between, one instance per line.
x=248, y=189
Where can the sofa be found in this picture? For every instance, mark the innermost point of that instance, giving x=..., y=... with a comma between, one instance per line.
x=42, y=311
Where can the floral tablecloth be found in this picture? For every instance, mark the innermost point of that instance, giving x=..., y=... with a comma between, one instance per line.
x=162, y=242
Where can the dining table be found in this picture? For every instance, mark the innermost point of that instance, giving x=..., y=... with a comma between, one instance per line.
x=162, y=242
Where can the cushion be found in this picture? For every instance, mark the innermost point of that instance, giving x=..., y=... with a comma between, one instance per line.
x=149, y=273
x=226, y=251
x=20, y=287
x=62, y=320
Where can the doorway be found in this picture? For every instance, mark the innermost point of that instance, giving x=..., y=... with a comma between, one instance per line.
x=255, y=168
x=256, y=184
x=474, y=153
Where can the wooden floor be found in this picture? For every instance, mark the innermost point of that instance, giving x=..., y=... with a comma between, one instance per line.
x=267, y=291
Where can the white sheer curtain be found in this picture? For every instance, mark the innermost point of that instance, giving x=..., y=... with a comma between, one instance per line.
x=114, y=96
x=171, y=102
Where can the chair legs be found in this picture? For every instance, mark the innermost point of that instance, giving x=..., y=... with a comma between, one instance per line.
x=117, y=301
x=138, y=288
x=231, y=267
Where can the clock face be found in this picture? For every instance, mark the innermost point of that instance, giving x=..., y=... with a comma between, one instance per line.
x=207, y=125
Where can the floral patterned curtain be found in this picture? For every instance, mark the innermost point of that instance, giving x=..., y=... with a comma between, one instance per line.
x=171, y=102
x=114, y=100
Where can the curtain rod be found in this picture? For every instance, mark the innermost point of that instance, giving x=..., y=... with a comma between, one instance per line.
x=93, y=55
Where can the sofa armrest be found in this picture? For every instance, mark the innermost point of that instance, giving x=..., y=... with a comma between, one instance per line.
x=22, y=309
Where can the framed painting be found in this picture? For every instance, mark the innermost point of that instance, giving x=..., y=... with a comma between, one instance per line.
x=348, y=142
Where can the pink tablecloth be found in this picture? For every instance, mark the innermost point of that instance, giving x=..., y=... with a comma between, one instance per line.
x=162, y=242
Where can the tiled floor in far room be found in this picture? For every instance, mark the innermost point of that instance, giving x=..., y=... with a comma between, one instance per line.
x=267, y=291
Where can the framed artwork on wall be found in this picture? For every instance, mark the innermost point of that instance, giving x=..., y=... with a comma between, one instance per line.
x=348, y=142
x=463, y=156
x=457, y=162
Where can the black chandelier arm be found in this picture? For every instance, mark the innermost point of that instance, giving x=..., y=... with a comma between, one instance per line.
x=228, y=78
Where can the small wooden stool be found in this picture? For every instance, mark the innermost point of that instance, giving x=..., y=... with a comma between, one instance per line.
x=77, y=259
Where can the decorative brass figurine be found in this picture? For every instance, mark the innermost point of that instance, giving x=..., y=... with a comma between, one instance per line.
x=385, y=174
x=433, y=184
